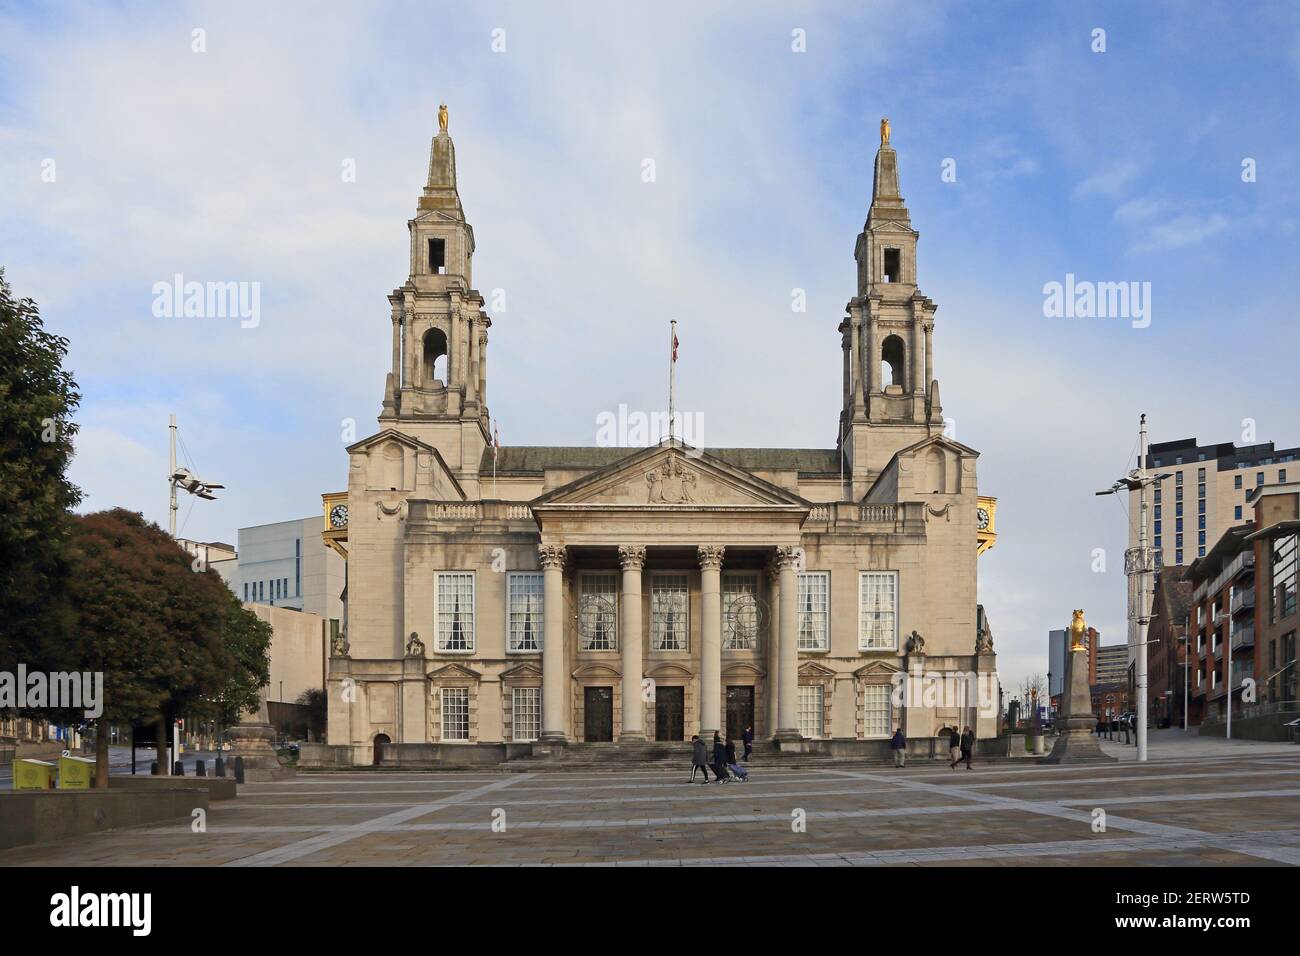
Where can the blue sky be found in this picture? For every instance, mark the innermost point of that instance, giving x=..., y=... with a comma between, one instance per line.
x=225, y=165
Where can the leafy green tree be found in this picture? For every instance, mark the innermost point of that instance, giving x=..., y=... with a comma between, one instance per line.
x=168, y=640
x=317, y=703
x=37, y=400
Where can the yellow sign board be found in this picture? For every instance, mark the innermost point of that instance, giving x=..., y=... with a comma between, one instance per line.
x=32, y=774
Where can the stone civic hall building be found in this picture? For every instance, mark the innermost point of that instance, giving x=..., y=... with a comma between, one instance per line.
x=648, y=594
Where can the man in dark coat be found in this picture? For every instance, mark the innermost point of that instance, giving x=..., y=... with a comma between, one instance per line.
x=719, y=759
x=748, y=738
x=699, y=758
x=898, y=744
x=967, y=745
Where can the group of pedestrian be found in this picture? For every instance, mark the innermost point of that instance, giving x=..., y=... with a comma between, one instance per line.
x=724, y=764
x=960, y=747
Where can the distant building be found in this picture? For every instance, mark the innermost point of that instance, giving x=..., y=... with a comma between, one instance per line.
x=1168, y=664
x=1207, y=493
x=1276, y=539
x=1057, y=642
x=286, y=564
x=1223, y=616
x=1111, y=664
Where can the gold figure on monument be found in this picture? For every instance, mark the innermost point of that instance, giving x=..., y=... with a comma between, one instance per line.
x=442, y=117
x=884, y=132
x=1078, y=631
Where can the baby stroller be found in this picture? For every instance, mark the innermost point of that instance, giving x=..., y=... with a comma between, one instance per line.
x=740, y=772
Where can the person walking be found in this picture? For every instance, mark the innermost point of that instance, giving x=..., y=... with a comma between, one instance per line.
x=733, y=766
x=748, y=738
x=967, y=746
x=699, y=758
x=954, y=748
x=898, y=744
x=719, y=759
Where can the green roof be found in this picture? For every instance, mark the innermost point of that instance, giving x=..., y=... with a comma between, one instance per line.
x=538, y=458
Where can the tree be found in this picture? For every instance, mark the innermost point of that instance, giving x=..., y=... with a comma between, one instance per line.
x=37, y=400
x=317, y=703
x=155, y=628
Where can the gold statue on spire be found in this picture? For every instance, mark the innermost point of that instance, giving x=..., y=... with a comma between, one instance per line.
x=884, y=132
x=1078, y=632
x=442, y=117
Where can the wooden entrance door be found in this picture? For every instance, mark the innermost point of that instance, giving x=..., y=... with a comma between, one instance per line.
x=740, y=711
x=670, y=713
x=598, y=713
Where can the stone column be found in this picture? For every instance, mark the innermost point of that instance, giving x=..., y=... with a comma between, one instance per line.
x=632, y=558
x=414, y=352
x=914, y=369
x=554, y=682
x=787, y=716
x=482, y=365
x=710, y=639
x=397, y=347
x=929, y=358
x=471, y=380
x=773, y=647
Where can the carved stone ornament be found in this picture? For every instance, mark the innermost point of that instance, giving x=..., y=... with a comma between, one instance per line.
x=670, y=484
x=551, y=555
x=415, y=646
x=983, y=642
x=915, y=643
x=631, y=557
x=711, y=555
x=932, y=512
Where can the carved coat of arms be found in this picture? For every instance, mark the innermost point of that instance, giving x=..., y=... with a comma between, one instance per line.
x=670, y=484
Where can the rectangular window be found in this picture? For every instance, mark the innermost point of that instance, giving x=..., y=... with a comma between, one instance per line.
x=1178, y=493
x=526, y=713
x=1157, y=531
x=892, y=270
x=1178, y=557
x=1200, y=490
x=1178, y=524
x=1236, y=481
x=876, y=710
x=1236, y=513
x=245, y=592
x=1157, y=514
x=740, y=612
x=1281, y=475
x=1200, y=472
x=1178, y=478
x=526, y=593
x=814, y=610
x=437, y=257
x=877, y=610
x=1284, y=577
x=1259, y=478
x=1157, y=496
x=598, y=612
x=455, y=713
x=669, y=612
x=1200, y=522
x=1200, y=507
x=810, y=710
x=454, y=610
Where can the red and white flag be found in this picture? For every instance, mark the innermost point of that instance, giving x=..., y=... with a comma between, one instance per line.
x=674, y=346
x=496, y=441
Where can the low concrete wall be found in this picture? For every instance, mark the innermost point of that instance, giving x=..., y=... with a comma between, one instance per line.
x=411, y=756
x=40, y=816
x=217, y=788
x=1270, y=727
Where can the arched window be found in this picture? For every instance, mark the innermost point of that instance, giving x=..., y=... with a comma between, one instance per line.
x=435, y=358
x=892, y=355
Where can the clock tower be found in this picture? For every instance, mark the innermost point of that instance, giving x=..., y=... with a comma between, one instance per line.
x=437, y=388
x=891, y=398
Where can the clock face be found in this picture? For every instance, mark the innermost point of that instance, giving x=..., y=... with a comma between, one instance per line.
x=982, y=519
x=339, y=516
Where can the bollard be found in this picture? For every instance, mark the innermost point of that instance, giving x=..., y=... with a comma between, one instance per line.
x=153, y=769
x=178, y=770
x=219, y=768
x=239, y=770
x=200, y=768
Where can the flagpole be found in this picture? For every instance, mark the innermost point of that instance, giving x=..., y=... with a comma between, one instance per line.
x=672, y=382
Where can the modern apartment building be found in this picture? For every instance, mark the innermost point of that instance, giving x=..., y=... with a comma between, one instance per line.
x=1222, y=621
x=1205, y=493
x=1276, y=538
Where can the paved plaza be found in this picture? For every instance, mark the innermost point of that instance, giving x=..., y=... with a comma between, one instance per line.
x=1239, y=809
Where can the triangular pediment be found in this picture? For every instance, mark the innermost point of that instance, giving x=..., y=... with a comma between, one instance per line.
x=669, y=476
x=418, y=467
x=525, y=671
x=453, y=671
x=877, y=669
x=812, y=669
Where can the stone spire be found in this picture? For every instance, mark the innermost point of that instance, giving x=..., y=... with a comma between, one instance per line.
x=440, y=192
x=886, y=199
